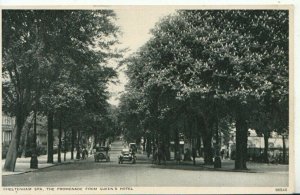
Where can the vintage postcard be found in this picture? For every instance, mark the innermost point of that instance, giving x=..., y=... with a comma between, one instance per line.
x=123, y=99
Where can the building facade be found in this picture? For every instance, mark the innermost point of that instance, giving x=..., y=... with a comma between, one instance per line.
x=8, y=124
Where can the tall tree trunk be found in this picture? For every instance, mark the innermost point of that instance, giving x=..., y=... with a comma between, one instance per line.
x=207, y=145
x=65, y=145
x=284, y=158
x=50, y=138
x=148, y=146
x=241, y=142
x=27, y=130
x=218, y=161
x=167, y=148
x=176, y=142
x=95, y=137
x=197, y=136
x=34, y=160
x=266, y=149
x=153, y=144
x=77, y=145
x=72, y=144
x=208, y=153
x=59, y=141
x=12, y=154
x=144, y=145
x=198, y=146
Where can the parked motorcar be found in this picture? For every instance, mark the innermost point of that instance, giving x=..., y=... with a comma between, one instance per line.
x=101, y=153
x=128, y=156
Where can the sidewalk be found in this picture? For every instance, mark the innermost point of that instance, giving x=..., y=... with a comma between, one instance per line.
x=227, y=165
x=23, y=164
x=252, y=167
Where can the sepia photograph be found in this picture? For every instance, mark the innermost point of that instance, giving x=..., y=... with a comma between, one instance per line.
x=147, y=99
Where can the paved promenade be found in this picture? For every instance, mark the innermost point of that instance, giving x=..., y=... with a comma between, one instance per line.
x=23, y=165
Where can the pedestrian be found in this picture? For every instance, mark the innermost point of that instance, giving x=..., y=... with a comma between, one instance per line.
x=78, y=153
x=187, y=155
x=83, y=154
x=86, y=152
x=222, y=153
x=194, y=153
x=161, y=155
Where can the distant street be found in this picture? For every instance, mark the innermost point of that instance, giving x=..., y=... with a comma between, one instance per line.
x=89, y=173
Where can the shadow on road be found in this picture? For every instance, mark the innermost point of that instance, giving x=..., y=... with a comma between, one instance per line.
x=197, y=167
x=89, y=165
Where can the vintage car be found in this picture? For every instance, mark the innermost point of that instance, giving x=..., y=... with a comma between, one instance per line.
x=101, y=153
x=128, y=156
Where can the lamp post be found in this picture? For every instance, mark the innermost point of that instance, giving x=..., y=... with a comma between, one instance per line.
x=217, y=161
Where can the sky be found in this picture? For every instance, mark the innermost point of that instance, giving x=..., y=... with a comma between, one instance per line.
x=135, y=24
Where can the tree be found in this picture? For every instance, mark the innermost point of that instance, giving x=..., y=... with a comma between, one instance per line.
x=223, y=59
x=21, y=57
x=82, y=53
x=58, y=42
x=129, y=117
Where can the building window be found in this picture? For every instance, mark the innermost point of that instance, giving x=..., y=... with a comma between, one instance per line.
x=6, y=120
x=6, y=136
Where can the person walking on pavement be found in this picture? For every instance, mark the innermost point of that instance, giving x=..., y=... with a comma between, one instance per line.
x=84, y=153
x=177, y=157
x=222, y=153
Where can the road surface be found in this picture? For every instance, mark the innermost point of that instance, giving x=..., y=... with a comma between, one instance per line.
x=143, y=173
